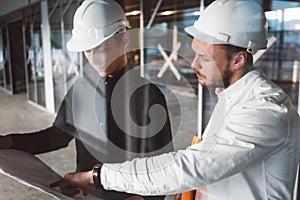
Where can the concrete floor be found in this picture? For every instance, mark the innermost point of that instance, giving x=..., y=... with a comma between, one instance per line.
x=15, y=108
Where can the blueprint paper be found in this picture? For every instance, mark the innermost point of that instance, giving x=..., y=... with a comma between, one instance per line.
x=31, y=171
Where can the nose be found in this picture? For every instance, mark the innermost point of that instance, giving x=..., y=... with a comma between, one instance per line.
x=196, y=64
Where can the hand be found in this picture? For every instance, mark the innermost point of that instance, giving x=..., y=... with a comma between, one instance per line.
x=71, y=182
x=5, y=142
x=66, y=187
x=177, y=196
x=135, y=197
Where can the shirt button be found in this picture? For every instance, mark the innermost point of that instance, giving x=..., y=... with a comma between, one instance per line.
x=108, y=183
x=101, y=123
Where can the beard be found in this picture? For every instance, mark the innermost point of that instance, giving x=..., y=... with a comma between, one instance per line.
x=215, y=78
x=227, y=78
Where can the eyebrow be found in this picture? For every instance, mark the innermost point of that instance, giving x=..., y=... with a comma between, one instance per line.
x=202, y=53
x=198, y=50
x=101, y=47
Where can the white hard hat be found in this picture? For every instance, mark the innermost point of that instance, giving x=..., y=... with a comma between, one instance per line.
x=237, y=22
x=94, y=22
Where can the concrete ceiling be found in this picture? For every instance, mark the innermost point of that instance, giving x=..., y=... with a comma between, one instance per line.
x=12, y=5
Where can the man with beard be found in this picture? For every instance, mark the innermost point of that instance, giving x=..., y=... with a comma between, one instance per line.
x=250, y=147
x=113, y=113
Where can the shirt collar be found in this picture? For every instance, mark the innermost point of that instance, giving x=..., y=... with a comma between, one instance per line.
x=233, y=89
x=113, y=78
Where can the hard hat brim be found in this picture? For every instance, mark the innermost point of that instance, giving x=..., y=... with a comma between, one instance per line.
x=79, y=45
x=191, y=30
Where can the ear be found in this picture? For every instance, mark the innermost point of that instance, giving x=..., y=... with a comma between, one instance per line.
x=239, y=60
x=125, y=39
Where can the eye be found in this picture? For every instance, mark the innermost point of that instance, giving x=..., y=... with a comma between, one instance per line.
x=102, y=48
x=87, y=51
x=206, y=59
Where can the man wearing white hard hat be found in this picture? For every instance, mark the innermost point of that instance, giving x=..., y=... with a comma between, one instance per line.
x=250, y=147
x=109, y=110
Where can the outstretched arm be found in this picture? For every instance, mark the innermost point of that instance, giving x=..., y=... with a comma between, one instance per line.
x=218, y=156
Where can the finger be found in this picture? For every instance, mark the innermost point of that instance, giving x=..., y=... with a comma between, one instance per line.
x=88, y=189
x=56, y=184
x=71, y=192
x=178, y=197
x=69, y=189
x=85, y=192
x=5, y=142
x=135, y=197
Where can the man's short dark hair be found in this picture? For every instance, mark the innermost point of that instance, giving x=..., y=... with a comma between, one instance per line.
x=232, y=50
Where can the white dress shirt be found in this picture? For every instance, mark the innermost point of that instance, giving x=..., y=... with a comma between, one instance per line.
x=249, y=151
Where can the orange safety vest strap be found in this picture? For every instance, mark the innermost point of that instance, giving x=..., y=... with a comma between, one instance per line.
x=196, y=140
x=189, y=195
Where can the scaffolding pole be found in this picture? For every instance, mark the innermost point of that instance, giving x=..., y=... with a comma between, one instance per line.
x=154, y=14
x=142, y=71
x=200, y=93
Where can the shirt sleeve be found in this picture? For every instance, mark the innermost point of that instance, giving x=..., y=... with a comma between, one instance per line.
x=249, y=134
x=52, y=138
x=43, y=141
